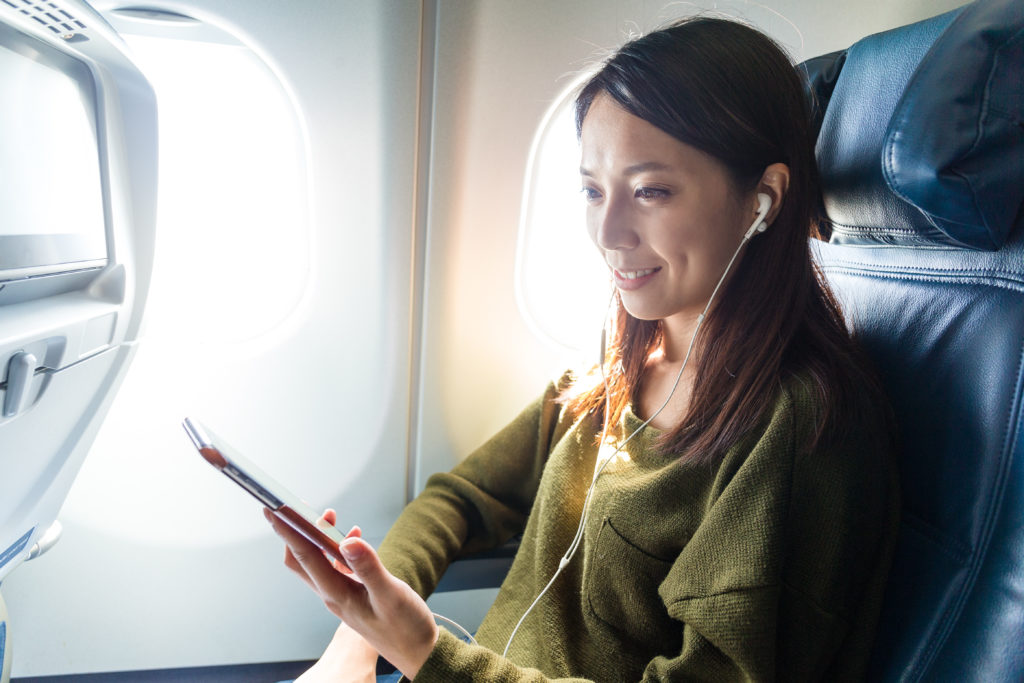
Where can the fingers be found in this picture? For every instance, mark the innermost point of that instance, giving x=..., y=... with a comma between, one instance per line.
x=338, y=565
x=293, y=564
x=307, y=560
x=365, y=562
x=384, y=610
x=331, y=517
x=296, y=545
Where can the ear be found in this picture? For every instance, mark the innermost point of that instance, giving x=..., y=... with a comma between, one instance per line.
x=774, y=182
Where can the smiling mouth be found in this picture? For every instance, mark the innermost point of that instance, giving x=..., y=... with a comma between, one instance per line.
x=635, y=274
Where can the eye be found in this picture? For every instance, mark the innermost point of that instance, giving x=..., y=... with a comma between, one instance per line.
x=650, y=193
x=590, y=194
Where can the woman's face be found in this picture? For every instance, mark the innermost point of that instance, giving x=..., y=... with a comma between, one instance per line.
x=665, y=216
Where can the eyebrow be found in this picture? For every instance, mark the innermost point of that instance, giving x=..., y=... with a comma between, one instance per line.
x=635, y=168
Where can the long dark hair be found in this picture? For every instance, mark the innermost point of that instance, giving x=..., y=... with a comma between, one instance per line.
x=730, y=91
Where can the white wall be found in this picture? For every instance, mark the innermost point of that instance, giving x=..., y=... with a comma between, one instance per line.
x=99, y=601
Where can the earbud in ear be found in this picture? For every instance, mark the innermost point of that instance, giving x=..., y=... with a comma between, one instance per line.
x=764, y=205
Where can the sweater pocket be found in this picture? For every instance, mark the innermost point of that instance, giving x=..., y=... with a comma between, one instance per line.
x=621, y=591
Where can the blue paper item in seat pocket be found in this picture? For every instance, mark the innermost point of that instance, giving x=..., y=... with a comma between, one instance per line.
x=15, y=549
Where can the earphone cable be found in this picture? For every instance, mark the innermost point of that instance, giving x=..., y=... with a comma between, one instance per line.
x=578, y=538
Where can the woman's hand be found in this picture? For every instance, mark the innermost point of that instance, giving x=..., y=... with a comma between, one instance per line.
x=384, y=610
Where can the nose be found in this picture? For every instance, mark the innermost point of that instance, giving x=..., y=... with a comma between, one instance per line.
x=611, y=224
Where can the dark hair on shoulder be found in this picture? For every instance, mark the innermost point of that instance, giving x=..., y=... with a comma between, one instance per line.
x=732, y=92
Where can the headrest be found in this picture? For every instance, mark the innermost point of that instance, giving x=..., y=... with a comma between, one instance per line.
x=922, y=130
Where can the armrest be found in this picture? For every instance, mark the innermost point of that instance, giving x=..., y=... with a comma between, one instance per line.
x=485, y=569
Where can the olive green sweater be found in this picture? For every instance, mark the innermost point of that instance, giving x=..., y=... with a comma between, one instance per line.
x=767, y=566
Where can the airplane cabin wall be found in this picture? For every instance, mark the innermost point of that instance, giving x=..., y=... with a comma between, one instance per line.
x=100, y=602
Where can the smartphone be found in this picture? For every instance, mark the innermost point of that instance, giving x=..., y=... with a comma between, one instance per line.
x=279, y=500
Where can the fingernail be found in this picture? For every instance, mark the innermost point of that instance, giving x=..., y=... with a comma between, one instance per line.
x=352, y=551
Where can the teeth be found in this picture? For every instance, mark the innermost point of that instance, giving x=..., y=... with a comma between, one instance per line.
x=634, y=274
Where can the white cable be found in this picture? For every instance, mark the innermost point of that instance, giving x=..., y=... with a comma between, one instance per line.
x=578, y=538
x=454, y=623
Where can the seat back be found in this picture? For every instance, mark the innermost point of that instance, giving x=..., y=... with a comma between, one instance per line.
x=921, y=150
x=77, y=234
x=78, y=133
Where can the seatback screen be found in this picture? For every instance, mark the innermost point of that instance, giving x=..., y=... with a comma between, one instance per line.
x=51, y=192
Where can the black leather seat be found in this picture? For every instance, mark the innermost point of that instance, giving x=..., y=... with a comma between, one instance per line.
x=921, y=149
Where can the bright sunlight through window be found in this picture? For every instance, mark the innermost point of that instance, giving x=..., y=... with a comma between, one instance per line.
x=233, y=240
x=230, y=279
x=561, y=283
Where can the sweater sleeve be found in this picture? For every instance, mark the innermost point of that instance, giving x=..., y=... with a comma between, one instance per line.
x=480, y=504
x=455, y=661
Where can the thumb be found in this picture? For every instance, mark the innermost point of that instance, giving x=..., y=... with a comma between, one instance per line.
x=363, y=560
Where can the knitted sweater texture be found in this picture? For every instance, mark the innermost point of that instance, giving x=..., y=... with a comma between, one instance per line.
x=769, y=565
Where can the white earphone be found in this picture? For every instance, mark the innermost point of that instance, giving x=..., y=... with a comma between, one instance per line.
x=764, y=205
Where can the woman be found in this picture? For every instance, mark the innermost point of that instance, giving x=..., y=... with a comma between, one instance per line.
x=739, y=518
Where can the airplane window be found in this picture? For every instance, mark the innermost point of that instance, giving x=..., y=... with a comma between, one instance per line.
x=561, y=283
x=231, y=272
x=230, y=186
